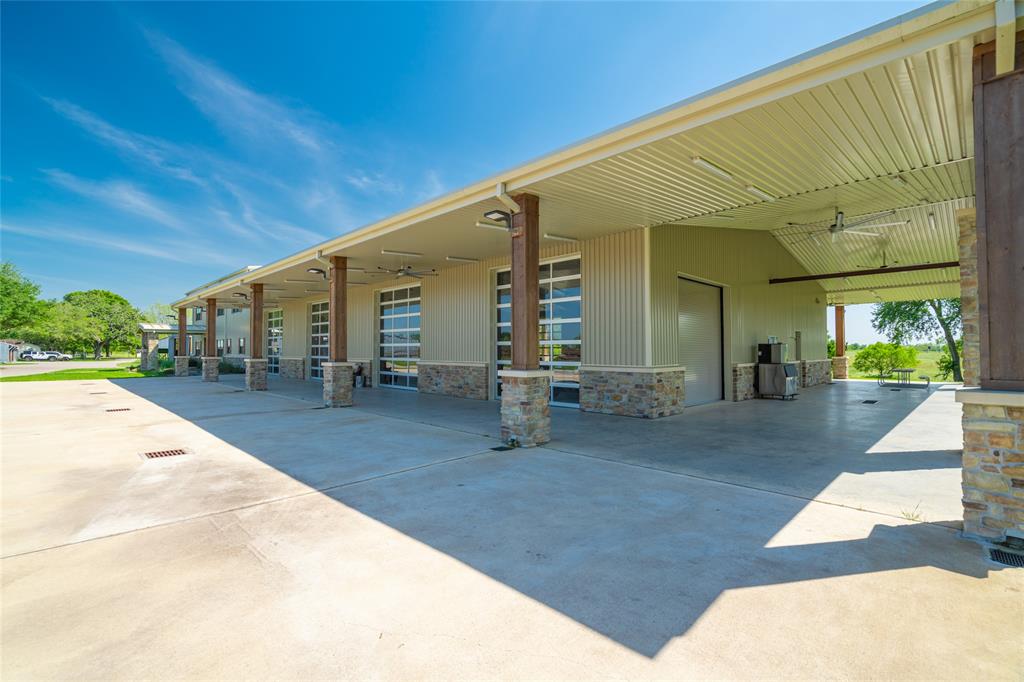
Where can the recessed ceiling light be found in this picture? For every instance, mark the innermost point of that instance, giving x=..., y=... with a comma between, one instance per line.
x=708, y=166
x=407, y=254
x=461, y=259
x=758, y=192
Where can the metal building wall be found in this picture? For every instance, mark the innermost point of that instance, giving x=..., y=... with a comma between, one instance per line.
x=457, y=305
x=742, y=261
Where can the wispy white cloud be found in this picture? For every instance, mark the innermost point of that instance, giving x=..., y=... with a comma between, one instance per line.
x=92, y=238
x=238, y=110
x=432, y=186
x=154, y=151
x=119, y=195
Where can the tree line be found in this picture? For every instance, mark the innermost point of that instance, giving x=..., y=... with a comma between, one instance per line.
x=96, y=321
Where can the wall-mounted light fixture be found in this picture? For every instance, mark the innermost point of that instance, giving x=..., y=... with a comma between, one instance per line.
x=317, y=271
x=239, y=294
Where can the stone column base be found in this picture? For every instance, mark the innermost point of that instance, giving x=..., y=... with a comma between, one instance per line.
x=255, y=374
x=743, y=381
x=993, y=463
x=292, y=368
x=841, y=367
x=337, y=384
x=647, y=392
x=458, y=379
x=180, y=366
x=815, y=372
x=525, y=413
x=211, y=369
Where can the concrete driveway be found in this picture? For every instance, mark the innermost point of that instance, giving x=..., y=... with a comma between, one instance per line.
x=23, y=368
x=758, y=539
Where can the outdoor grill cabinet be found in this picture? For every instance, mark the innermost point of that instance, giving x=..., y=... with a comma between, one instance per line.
x=777, y=380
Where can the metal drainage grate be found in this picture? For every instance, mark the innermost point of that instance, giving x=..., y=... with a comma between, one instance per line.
x=1007, y=558
x=97, y=392
x=502, y=448
x=119, y=409
x=155, y=454
x=869, y=402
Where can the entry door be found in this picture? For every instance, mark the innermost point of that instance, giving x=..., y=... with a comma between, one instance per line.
x=700, y=340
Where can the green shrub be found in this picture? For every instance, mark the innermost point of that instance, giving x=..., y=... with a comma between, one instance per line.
x=945, y=362
x=226, y=367
x=880, y=359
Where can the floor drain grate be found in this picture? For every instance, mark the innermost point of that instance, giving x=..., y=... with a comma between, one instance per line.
x=869, y=402
x=155, y=454
x=1007, y=558
x=502, y=448
x=97, y=392
x=119, y=409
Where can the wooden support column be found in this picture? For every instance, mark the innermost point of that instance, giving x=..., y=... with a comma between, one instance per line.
x=256, y=322
x=338, y=310
x=840, y=330
x=182, y=348
x=999, y=169
x=211, y=327
x=525, y=282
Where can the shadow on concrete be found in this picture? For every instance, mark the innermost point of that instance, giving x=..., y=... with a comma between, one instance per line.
x=632, y=528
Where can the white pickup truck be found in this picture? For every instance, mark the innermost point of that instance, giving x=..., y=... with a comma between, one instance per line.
x=48, y=356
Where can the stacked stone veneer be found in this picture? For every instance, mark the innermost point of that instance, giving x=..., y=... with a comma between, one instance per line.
x=211, y=369
x=255, y=374
x=743, y=381
x=461, y=380
x=181, y=365
x=841, y=367
x=291, y=368
x=993, y=464
x=337, y=384
x=525, y=413
x=970, y=359
x=150, y=356
x=647, y=392
x=815, y=372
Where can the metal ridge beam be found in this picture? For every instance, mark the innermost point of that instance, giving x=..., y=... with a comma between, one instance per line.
x=861, y=273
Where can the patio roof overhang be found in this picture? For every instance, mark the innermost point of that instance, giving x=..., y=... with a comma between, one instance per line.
x=881, y=120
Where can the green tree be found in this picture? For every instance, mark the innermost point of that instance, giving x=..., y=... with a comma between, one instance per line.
x=118, y=320
x=19, y=303
x=62, y=326
x=945, y=362
x=906, y=320
x=881, y=359
x=160, y=313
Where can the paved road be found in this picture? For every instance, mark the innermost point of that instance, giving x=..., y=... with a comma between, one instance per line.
x=40, y=367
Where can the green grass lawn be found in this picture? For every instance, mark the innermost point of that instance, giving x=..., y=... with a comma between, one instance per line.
x=125, y=370
x=927, y=363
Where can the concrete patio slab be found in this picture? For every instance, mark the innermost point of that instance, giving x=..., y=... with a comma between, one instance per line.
x=319, y=543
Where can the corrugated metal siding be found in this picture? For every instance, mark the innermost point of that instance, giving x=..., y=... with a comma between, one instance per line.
x=296, y=329
x=742, y=261
x=456, y=323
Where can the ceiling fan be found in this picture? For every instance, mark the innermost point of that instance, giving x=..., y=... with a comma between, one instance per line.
x=407, y=271
x=840, y=226
x=885, y=263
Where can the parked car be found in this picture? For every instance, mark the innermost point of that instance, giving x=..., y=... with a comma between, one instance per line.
x=26, y=354
x=47, y=356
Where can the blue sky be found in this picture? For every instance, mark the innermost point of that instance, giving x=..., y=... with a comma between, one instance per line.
x=148, y=148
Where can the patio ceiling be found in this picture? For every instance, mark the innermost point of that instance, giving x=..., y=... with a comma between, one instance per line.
x=881, y=121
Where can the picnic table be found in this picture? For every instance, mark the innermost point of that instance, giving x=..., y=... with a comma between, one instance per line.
x=902, y=377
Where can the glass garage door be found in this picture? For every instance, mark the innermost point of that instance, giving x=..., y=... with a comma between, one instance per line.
x=319, y=322
x=275, y=333
x=560, y=332
x=399, y=333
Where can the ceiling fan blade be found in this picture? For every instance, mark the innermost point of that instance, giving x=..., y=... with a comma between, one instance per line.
x=414, y=275
x=869, y=218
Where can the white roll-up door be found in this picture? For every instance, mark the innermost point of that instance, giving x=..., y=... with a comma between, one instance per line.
x=700, y=340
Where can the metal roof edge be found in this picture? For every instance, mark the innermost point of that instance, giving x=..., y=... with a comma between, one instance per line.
x=932, y=24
